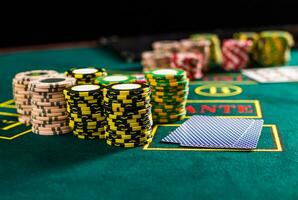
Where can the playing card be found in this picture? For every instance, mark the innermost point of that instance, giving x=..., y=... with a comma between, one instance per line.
x=250, y=139
x=273, y=74
x=206, y=131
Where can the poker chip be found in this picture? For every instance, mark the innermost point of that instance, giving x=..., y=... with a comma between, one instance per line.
x=85, y=111
x=48, y=115
x=86, y=75
x=128, y=114
x=21, y=91
x=169, y=94
x=235, y=54
x=112, y=79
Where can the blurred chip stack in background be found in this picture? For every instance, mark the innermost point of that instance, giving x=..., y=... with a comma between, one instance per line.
x=235, y=54
x=274, y=48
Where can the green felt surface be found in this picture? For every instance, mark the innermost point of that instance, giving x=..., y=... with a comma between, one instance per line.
x=63, y=167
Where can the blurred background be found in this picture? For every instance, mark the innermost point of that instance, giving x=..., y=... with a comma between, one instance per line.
x=142, y=20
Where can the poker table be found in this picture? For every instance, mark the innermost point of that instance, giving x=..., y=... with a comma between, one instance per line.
x=64, y=167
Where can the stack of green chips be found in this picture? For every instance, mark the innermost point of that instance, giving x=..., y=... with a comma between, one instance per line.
x=169, y=91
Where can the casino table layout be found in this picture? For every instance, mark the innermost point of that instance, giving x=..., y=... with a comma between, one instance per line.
x=64, y=167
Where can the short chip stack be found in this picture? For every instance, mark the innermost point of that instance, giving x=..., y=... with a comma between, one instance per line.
x=86, y=75
x=169, y=91
x=21, y=91
x=49, y=115
x=128, y=114
x=84, y=107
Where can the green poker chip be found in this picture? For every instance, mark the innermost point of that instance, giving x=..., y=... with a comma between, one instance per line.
x=113, y=79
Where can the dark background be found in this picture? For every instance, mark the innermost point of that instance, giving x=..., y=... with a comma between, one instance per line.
x=90, y=22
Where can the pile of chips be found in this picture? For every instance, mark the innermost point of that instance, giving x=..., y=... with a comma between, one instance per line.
x=235, y=54
x=189, y=55
x=169, y=91
x=21, y=91
x=49, y=115
x=86, y=75
x=128, y=114
x=85, y=111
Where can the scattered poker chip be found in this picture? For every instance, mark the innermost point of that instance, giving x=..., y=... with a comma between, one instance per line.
x=85, y=111
x=169, y=94
x=128, y=114
x=21, y=91
x=49, y=116
x=86, y=75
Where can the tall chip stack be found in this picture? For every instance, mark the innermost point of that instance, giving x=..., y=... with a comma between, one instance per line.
x=85, y=111
x=274, y=48
x=49, y=115
x=235, y=54
x=128, y=114
x=21, y=91
x=86, y=75
x=169, y=92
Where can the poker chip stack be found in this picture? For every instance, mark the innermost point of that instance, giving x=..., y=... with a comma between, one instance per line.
x=112, y=79
x=128, y=114
x=274, y=48
x=254, y=38
x=49, y=116
x=235, y=54
x=21, y=91
x=156, y=59
x=85, y=111
x=190, y=62
x=199, y=47
x=86, y=75
x=169, y=91
x=215, y=52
